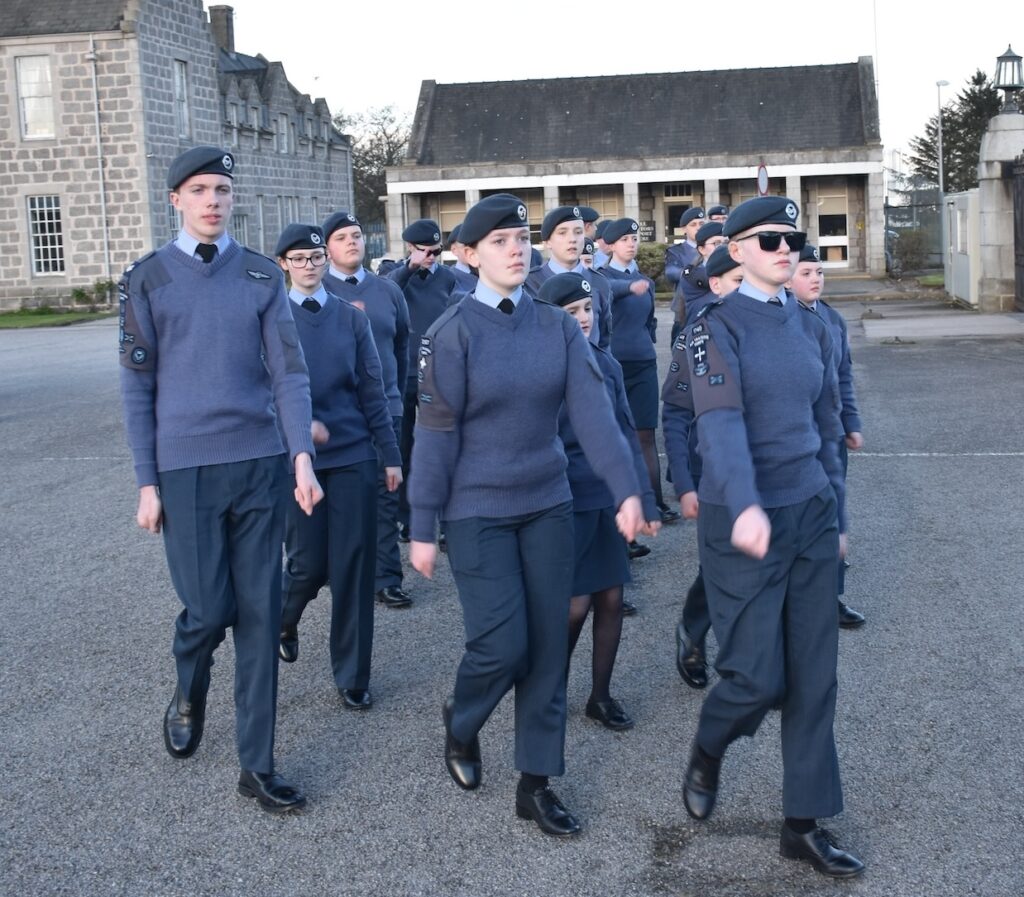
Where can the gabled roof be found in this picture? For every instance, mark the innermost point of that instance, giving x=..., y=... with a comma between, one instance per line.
x=745, y=111
x=22, y=18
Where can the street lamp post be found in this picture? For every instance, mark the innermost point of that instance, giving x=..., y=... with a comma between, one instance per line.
x=942, y=181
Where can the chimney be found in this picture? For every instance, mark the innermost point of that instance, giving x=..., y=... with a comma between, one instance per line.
x=222, y=21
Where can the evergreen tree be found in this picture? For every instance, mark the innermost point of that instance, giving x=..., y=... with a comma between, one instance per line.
x=964, y=120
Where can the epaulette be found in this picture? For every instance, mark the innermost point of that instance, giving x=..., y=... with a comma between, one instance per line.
x=707, y=308
x=127, y=271
x=256, y=263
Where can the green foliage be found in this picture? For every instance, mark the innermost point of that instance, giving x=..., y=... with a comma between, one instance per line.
x=81, y=296
x=103, y=291
x=913, y=248
x=380, y=138
x=650, y=259
x=964, y=121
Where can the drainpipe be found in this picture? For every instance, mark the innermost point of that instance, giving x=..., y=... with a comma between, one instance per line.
x=93, y=58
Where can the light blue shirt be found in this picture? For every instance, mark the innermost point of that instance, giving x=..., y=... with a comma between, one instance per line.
x=320, y=296
x=558, y=269
x=747, y=290
x=462, y=266
x=490, y=297
x=187, y=243
x=631, y=268
x=359, y=274
x=601, y=258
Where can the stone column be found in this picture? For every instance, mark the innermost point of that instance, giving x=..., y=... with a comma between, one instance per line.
x=472, y=198
x=874, y=224
x=794, y=190
x=395, y=214
x=712, y=192
x=631, y=200
x=550, y=198
x=1000, y=145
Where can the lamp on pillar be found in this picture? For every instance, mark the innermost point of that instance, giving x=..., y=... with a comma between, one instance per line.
x=1009, y=79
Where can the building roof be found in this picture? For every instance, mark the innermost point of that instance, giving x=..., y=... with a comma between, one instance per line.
x=22, y=18
x=738, y=111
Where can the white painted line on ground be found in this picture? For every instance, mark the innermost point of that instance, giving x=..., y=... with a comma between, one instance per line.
x=936, y=455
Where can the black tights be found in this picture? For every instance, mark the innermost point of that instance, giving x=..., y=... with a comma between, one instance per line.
x=649, y=446
x=607, y=606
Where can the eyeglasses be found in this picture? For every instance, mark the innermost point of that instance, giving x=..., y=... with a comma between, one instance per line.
x=769, y=240
x=431, y=252
x=317, y=260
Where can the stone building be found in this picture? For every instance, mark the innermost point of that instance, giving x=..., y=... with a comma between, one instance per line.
x=98, y=97
x=650, y=146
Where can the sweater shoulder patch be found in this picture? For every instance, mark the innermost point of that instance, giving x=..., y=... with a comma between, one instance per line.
x=134, y=350
x=706, y=310
x=713, y=383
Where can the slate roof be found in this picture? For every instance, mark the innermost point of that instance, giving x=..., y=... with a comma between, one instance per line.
x=21, y=18
x=744, y=111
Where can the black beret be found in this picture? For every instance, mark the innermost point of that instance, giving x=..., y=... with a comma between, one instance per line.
x=337, y=221
x=761, y=210
x=602, y=227
x=718, y=210
x=707, y=231
x=453, y=236
x=493, y=213
x=588, y=247
x=589, y=214
x=694, y=214
x=425, y=232
x=557, y=216
x=619, y=228
x=720, y=262
x=200, y=160
x=810, y=253
x=299, y=236
x=565, y=288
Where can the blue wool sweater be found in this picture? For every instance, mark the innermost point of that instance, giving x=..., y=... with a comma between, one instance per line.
x=490, y=393
x=841, y=343
x=589, y=492
x=677, y=257
x=761, y=383
x=465, y=280
x=384, y=304
x=633, y=321
x=427, y=298
x=345, y=381
x=208, y=352
x=601, y=332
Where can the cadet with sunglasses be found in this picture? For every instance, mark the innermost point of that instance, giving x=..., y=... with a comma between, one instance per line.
x=756, y=371
x=215, y=387
x=384, y=304
x=336, y=545
x=429, y=288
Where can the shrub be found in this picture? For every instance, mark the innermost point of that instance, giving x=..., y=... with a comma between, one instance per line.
x=81, y=296
x=912, y=249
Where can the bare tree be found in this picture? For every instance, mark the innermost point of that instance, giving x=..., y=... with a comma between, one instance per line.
x=380, y=138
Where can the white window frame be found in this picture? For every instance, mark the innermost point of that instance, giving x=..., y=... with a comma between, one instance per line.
x=46, y=235
x=182, y=104
x=35, y=98
x=282, y=132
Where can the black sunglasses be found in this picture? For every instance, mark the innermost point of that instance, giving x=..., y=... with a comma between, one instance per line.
x=769, y=240
x=433, y=252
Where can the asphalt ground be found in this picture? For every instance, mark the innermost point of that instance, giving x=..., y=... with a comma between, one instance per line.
x=929, y=721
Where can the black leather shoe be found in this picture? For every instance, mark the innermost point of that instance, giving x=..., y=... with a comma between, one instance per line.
x=690, y=660
x=668, y=515
x=356, y=698
x=636, y=550
x=846, y=563
x=442, y=543
x=610, y=714
x=700, y=787
x=403, y=533
x=820, y=848
x=183, y=725
x=288, y=649
x=544, y=808
x=629, y=609
x=462, y=760
x=273, y=792
x=849, y=618
x=394, y=596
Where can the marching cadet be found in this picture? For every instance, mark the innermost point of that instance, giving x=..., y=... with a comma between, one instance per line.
x=463, y=273
x=494, y=371
x=601, y=561
x=807, y=285
x=718, y=213
x=682, y=256
x=384, y=304
x=353, y=425
x=694, y=290
x=429, y=287
x=757, y=373
x=587, y=254
x=590, y=216
x=724, y=276
x=633, y=335
x=601, y=256
x=209, y=352
x=562, y=232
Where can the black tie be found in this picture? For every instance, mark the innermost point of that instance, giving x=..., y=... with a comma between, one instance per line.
x=507, y=305
x=423, y=273
x=775, y=300
x=352, y=280
x=311, y=305
x=207, y=252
